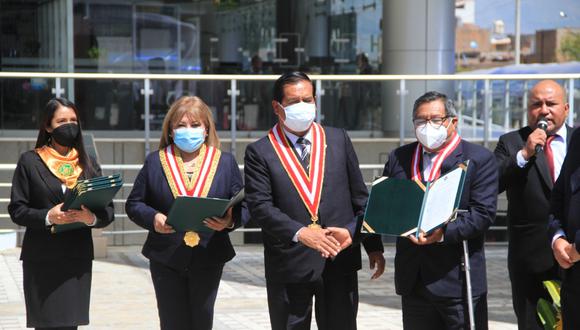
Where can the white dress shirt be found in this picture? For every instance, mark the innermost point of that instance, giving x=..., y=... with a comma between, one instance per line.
x=559, y=148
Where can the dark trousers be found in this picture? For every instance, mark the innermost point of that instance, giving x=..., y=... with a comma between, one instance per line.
x=58, y=328
x=185, y=300
x=570, y=298
x=336, y=296
x=423, y=310
x=527, y=288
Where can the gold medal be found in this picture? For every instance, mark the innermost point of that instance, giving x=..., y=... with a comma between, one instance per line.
x=191, y=238
x=314, y=224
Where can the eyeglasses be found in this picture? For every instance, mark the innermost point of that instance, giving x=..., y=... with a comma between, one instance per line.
x=435, y=122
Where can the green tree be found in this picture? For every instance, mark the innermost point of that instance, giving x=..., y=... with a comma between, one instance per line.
x=570, y=46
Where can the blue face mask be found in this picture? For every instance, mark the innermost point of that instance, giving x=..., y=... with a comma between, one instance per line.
x=189, y=139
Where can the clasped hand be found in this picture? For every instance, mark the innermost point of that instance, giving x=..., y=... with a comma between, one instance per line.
x=328, y=241
x=58, y=217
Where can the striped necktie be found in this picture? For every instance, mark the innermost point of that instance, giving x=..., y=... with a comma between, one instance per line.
x=302, y=144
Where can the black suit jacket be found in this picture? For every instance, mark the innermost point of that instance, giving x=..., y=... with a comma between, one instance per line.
x=565, y=203
x=528, y=191
x=276, y=206
x=151, y=194
x=35, y=190
x=438, y=265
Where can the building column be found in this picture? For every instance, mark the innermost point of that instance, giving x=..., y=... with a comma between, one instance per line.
x=418, y=38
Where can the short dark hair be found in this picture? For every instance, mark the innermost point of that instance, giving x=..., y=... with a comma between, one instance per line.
x=289, y=78
x=434, y=96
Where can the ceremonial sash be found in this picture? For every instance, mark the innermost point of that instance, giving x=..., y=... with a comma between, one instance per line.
x=436, y=162
x=308, y=185
x=66, y=168
x=200, y=182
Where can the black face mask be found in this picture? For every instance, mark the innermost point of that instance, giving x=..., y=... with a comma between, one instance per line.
x=66, y=135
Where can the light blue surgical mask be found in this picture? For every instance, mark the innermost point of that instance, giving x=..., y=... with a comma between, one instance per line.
x=189, y=139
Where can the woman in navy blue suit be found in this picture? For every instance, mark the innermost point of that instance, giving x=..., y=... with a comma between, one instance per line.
x=186, y=268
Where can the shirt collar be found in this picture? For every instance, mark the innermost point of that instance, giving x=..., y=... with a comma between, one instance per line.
x=562, y=132
x=293, y=138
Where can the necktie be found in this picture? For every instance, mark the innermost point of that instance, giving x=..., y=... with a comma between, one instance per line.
x=302, y=144
x=550, y=156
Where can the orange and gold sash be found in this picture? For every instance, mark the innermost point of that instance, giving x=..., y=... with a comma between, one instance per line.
x=66, y=168
x=308, y=186
x=200, y=182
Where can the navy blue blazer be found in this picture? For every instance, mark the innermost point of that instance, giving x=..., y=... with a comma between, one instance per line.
x=151, y=194
x=438, y=265
x=276, y=206
x=565, y=203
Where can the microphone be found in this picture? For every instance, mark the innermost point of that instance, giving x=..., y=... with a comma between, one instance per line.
x=543, y=125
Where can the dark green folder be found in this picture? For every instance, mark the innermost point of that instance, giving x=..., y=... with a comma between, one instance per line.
x=94, y=194
x=188, y=213
x=398, y=207
x=92, y=198
x=99, y=179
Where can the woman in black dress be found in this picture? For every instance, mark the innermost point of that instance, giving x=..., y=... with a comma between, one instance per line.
x=56, y=267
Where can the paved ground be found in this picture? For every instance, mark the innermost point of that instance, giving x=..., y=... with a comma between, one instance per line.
x=122, y=295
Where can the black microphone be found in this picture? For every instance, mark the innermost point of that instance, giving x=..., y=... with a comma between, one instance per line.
x=543, y=125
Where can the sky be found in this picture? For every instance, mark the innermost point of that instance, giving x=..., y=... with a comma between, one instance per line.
x=535, y=14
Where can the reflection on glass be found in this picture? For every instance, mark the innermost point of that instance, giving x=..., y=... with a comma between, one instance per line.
x=194, y=37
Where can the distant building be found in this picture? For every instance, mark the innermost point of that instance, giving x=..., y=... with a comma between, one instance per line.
x=470, y=38
x=548, y=44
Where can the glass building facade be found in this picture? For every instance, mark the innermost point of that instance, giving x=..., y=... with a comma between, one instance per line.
x=192, y=37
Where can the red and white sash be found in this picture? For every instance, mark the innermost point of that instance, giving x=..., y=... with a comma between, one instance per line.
x=437, y=160
x=308, y=185
x=203, y=174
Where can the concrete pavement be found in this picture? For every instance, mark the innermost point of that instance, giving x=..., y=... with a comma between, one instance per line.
x=123, y=297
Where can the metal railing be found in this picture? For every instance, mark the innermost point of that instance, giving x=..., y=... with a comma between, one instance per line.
x=474, y=95
x=375, y=168
x=486, y=90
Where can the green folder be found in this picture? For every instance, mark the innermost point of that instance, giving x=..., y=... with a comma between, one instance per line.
x=92, y=198
x=94, y=194
x=188, y=213
x=99, y=179
x=401, y=207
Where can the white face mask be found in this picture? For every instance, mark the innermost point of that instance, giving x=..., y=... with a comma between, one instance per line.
x=431, y=137
x=299, y=116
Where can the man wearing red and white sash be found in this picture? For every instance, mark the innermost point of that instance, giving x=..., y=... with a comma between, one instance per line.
x=305, y=190
x=428, y=269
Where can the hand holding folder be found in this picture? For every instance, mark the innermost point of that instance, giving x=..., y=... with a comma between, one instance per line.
x=95, y=194
x=188, y=213
x=401, y=207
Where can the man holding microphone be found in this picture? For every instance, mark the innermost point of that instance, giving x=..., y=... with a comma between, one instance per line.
x=529, y=161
